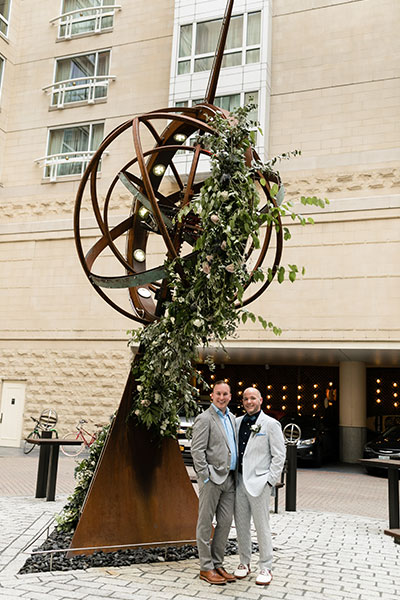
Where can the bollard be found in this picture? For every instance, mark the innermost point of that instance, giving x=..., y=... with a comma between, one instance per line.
x=291, y=476
x=43, y=467
x=292, y=434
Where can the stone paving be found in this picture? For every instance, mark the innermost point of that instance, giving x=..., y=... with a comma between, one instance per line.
x=318, y=555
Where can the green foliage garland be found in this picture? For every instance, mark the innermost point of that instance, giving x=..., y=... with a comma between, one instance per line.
x=202, y=306
x=68, y=519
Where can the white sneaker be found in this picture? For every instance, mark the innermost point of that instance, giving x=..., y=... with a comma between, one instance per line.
x=242, y=571
x=264, y=577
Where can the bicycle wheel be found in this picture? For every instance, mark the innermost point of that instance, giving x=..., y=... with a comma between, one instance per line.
x=72, y=450
x=28, y=447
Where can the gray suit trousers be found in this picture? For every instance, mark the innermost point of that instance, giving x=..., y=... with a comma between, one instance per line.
x=215, y=500
x=247, y=506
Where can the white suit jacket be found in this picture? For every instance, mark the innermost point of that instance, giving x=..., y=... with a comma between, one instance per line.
x=264, y=456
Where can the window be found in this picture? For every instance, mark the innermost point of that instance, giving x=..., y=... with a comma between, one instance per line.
x=1, y=71
x=82, y=78
x=198, y=41
x=70, y=149
x=4, y=16
x=228, y=102
x=80, y=17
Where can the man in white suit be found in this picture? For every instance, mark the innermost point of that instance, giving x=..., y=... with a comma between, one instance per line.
x=214, y=452
x=261, y=456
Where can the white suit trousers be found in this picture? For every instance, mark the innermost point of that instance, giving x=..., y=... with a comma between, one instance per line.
x=247, y=506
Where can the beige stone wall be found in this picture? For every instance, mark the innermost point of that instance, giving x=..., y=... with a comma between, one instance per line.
x=71, y=381
x=335, y=90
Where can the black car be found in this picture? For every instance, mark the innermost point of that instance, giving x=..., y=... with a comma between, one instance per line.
x=386, y=445
x=184, y=433
x=318, y=442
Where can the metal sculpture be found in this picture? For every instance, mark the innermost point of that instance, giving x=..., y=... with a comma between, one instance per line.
x=130, y=481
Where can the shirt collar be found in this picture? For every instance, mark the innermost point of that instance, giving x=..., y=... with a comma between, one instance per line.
x=251, y=418
x=219, y=412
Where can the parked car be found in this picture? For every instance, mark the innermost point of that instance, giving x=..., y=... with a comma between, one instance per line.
x=184, y=434
x=318, y=442
x=384, y=446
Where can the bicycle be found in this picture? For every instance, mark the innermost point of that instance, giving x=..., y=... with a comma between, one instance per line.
x=79, y=436
x=46, y=422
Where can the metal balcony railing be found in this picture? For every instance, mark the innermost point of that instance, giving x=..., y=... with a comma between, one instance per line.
x=74, y=18
x=78, y=89
x=65, y=163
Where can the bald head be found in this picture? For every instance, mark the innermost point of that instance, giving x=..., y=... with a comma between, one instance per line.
x=252, y=400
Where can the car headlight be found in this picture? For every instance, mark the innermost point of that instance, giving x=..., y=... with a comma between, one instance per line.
x=309, y=442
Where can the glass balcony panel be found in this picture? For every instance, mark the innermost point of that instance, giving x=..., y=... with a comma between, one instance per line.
x=232, y=60
x=207, y=36
x=183, y=67
x=203, y=64
x=235, y=33
x=253, y=29
x=252, y=56
x=185, y=40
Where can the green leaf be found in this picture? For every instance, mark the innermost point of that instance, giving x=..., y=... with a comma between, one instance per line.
x=274, y=190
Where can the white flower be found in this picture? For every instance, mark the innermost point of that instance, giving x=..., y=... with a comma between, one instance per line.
x=172, y=319
x=224, y=195
x=139, y=388
x=206, y=268
x=214, y=218
x=230, y=268
x=197, y=323
x=137, y=412
x=209, y=257
x=223, y=245
x=255, y=429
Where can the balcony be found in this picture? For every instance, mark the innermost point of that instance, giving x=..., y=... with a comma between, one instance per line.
x=83, y=21
x=65, y=164
x=79, y=89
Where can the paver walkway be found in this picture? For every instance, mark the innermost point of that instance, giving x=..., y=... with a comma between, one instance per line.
x=320, y=551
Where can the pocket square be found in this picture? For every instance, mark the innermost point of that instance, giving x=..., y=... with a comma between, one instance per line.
x=257, y=434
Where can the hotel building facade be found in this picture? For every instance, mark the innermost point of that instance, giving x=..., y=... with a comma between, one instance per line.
x=324, y=76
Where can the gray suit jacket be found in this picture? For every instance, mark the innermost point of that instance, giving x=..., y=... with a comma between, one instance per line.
x=210, y=448
x=264, y=456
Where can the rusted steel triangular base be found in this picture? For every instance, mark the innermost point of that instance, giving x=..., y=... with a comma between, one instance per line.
x=141, y=492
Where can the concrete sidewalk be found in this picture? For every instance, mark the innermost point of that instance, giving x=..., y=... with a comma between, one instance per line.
x=329, y=548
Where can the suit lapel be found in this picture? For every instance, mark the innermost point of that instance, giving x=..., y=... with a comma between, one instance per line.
x=218, y=421
x=259, y=421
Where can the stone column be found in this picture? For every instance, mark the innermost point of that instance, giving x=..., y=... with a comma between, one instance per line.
x=352, y=410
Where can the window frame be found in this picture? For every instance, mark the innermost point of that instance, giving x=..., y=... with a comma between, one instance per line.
x=243, y=49
x=53, y=161
x=2, y=67
x=6, y=21
x=190, y=102
x=63, y=87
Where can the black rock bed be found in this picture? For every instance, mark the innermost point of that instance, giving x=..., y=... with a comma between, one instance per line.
x=121, y=558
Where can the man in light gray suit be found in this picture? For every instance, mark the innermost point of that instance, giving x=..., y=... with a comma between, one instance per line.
x=261, y=456
x=214, y=452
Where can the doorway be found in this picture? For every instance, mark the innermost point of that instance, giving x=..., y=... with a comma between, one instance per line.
x=11, y=413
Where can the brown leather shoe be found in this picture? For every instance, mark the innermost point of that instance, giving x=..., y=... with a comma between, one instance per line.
x=229, y=577
x=212, y=577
